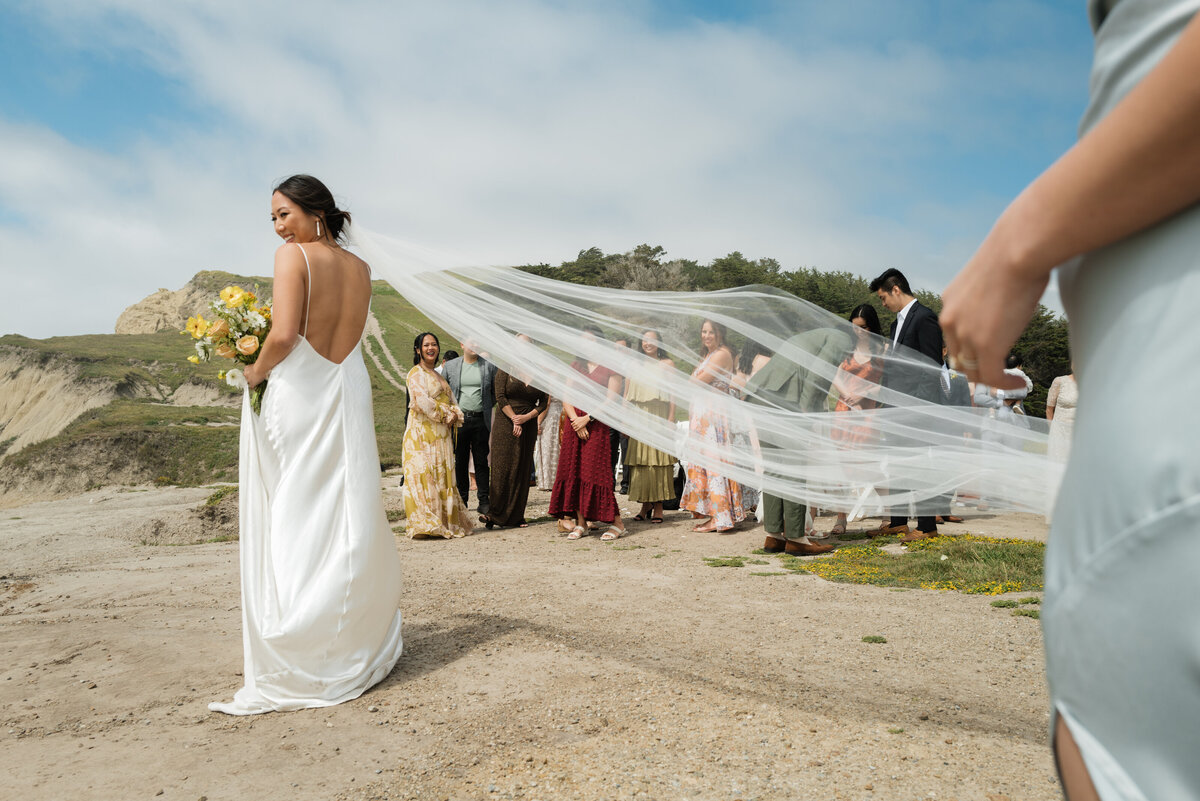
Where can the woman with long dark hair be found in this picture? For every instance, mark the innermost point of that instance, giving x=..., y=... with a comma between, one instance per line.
x=708, y=496
x=514, y=437
x=320, y=575
x=856, y=382
x=432, y=504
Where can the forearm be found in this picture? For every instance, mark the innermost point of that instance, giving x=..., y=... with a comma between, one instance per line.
x=275, y=349
x=1136, y=167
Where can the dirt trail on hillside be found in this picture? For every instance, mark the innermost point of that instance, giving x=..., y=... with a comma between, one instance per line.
x=534, y=668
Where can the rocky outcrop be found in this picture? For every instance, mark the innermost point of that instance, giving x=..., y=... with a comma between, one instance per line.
x=164, y=311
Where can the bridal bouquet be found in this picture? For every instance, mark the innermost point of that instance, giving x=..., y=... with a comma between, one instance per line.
x=237, y=332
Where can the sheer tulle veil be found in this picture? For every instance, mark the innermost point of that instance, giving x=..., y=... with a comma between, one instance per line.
x=911, y=453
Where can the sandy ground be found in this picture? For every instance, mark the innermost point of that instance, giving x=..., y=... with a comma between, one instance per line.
x=535, y=668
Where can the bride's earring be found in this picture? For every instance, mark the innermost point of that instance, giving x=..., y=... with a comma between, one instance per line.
x=318, y=229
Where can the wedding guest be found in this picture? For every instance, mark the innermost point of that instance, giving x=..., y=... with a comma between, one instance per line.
x=548, y=444
x=432, y=505
x=708, y=496
x=856, y=384
x=750, y=360
x=472, y=381
x=916, y=329
x=650, y=470
x=448, y=356
x=583, y=487
x=786, y=383
x=620, y=440
x=514, y=438
x=1060, y=411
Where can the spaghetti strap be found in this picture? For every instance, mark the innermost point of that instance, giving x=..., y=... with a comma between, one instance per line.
x=308, y=289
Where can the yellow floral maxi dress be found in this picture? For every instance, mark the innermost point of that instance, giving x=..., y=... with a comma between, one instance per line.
x=431, y=501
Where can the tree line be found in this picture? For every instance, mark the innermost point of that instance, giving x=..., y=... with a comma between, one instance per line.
x=1043, y=347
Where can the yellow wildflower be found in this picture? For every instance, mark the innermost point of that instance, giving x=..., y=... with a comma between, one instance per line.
x=194, y=359
x=197, y=326
x=232, y=295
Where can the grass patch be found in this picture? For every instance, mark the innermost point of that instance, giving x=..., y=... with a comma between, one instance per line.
x=1033, y=613
x=1033, y=599
x=1005, y=603
x=770, y=573
x=628, y=547
x=971, y=564
x=395, y=514
x=757, y=562
x=658, y=556
x=725, y=561
x=895, y=730
x=220, y=495
x=874, y=638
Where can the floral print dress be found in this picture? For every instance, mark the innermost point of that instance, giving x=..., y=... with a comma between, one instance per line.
x=707, y=493
x=431, y=500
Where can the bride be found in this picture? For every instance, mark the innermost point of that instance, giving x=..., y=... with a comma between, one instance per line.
x=320, y=572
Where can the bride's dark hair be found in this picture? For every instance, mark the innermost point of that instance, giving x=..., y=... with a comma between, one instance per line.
x=315, y=198
x=419, y=341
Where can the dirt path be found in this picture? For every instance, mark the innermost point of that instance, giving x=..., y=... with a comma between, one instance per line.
x=535, y=668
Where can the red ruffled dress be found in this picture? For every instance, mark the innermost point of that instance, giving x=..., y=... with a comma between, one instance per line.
x=584, y=482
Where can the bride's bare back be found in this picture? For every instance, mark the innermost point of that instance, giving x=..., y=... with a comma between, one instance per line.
x=325, y=300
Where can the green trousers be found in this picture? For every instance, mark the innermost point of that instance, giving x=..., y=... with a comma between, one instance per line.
x=783, y=517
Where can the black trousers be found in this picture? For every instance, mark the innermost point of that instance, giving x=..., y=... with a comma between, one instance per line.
x=472, y=442
x=619, y=451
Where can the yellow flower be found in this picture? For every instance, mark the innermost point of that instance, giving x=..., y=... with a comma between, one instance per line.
x=197, y=326
x=247, y=345
x=232, y=295
x=194, y=359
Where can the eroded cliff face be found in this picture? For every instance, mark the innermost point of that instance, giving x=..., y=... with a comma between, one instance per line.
x=40, y=397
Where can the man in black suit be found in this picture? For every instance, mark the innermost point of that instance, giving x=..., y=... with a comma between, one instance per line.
x=917, y=329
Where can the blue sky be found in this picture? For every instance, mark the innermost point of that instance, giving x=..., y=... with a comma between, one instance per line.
x=139, y=139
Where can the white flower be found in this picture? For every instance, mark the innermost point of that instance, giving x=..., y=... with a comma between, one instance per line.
x=944, y=558
x=235, y=379
x=256, y=320
x=202, y=350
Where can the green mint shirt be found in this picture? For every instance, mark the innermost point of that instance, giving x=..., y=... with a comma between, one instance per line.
x=470, y=387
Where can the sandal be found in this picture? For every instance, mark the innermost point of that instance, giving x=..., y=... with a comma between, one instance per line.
x=613, y=533
x=838, y=529
x=563, y=527
x=576, y=533
x=656, y=520
x=638, y=517
x=707, y=527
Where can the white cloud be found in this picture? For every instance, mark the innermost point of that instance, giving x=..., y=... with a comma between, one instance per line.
x=515, y=132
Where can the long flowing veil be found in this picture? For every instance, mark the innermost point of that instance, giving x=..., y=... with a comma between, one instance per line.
x=909, y=454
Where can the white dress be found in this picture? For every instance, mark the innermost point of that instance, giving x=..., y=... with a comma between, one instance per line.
x=1063, y=396
x=320, y=571
x=1121, y=617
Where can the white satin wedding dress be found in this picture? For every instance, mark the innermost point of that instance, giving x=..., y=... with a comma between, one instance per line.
x=320, y=572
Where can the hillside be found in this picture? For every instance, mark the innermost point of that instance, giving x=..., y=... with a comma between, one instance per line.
x=82, y=412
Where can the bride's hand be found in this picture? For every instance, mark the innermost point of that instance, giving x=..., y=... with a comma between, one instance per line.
x=251, y=374
x=984, y=310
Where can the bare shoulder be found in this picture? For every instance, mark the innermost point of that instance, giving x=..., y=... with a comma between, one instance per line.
x=289, y=259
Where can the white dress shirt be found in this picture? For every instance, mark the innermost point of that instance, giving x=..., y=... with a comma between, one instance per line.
x=901, y=316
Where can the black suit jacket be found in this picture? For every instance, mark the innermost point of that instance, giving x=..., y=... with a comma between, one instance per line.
x=921, y=333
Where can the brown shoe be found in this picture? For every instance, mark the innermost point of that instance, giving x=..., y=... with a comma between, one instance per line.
x=919, y=535
x=887, y=531
x=806, y=548
x=953, y=519
x=773, y=545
